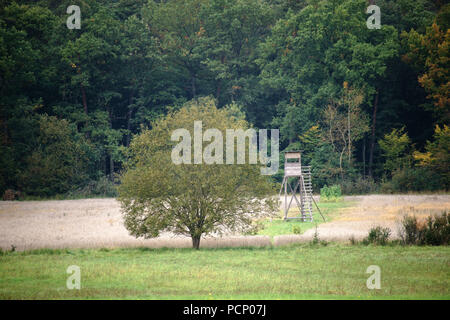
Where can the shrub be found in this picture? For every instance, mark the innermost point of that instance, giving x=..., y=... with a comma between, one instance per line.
x=359, y=185
x=316, y=240
x=413, y=179
x=296, y=230
x=11, y=195
x=434, y=230
x=103, y=187
x=255, y=227
x=378, y=235
x=331, y=194
x=409, y=233
x=437, y=230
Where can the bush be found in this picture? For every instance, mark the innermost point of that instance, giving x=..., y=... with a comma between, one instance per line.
x=435, y=230
x=316, y=240
x=409, y=232
x=378, y=235
x=330, y=194
x=296, y=230
x=11, y=195
x=255, y=227
x=103, y=187
x=359, y=185
x=413, y=179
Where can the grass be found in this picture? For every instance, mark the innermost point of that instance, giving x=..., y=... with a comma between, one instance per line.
x=276, y=227
x=293, y=272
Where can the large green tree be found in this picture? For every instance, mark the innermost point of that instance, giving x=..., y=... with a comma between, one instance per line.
x=190, y=199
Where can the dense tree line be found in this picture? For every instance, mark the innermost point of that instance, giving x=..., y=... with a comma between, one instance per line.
x=369, y=107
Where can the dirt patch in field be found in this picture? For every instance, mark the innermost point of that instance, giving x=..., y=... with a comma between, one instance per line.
x=97, y=223
x=379, y=210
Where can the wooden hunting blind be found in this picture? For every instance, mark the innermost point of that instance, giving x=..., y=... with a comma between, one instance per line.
x=301, y=178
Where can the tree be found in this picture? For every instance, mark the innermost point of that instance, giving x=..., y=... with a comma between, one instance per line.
x=396, y=149
x=437, y=154
x=59, y=162
x=344, y=123
x=430, y=52
x=189, y=199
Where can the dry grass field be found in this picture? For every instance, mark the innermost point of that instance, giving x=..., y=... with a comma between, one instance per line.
x=379, y=210
x=97, y=223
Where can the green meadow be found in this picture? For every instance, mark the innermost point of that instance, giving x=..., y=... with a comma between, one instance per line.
x=303, y=271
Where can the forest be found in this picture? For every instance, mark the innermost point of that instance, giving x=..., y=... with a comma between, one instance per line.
x=369, y=108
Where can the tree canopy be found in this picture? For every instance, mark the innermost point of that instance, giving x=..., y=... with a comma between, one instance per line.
x=312, y=69
x=158, y=195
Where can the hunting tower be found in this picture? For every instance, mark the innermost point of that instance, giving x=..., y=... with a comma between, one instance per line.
x=301, y=178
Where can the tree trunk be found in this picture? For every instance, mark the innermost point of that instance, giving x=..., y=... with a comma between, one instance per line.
x=349, y=137
x=128, y=139
x=111, y=168
x=196, y=242
x=110, y=155
x=364, y=158
x=83, y=94
x=5, y=132
x=85, y=107
x=372, y=139
x=218, y=89
x=129, y=115
x=193, y=86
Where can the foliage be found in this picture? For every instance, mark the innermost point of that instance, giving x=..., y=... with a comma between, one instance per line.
x=429, y=52
x=296, y=230
x=103, y=187
x=195, y=200
x=396, y=150
x=437, y=154
x=331, y=194
x=359, y=185
x=342, y=128
x=378, y=236
x=435, y=230
x=309, y=68
x=59, y=162
x=413, y=179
